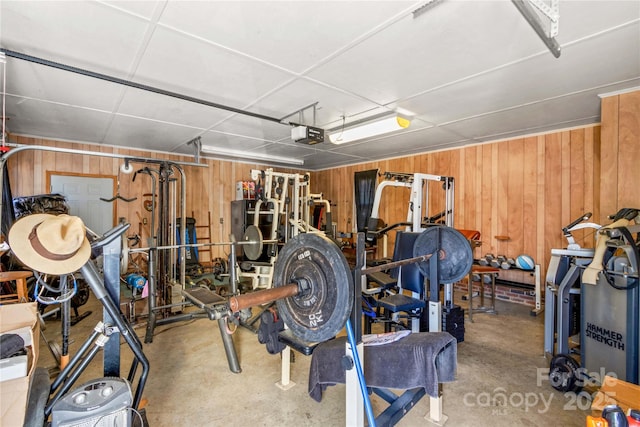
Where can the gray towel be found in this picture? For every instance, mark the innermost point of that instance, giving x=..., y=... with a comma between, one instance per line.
x=420, y=360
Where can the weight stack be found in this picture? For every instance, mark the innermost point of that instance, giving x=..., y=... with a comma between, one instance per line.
x=453, y=321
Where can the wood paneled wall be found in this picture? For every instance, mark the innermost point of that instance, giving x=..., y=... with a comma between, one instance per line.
x=208, y=189
x=620, y=153
x=524, y=188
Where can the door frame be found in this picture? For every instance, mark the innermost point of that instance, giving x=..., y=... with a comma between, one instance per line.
x=114, y=178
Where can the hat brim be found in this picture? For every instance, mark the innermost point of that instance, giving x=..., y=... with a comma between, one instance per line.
x=21, y=247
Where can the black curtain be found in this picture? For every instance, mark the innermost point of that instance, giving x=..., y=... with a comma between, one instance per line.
x=8, y=214
x=365, y=186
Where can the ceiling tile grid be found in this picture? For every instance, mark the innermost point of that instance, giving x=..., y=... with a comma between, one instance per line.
x=468, y=71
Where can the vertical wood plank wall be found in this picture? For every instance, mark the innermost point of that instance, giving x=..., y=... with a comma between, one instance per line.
x=620, y=153
x=208, y=189
x=524, y=188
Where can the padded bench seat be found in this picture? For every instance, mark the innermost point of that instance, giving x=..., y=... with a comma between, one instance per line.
x=204, y=298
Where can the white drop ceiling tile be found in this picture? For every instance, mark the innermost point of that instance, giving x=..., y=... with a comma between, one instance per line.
x=246, y=150
x=163, y=108
x=581, y=18
x=49, y=84
x=416, y=140
x=189, y=66
x=82, y=34
x=231, y=142
x=428, y=65
x=302, y=93
x=414, y=55
x=143, y=9
x=134, y=133
x=298, y=151
x=55, y=121
x=293, y=35
x=556, y=114
x=329, y=159
x=251, y=127
x=614, y=56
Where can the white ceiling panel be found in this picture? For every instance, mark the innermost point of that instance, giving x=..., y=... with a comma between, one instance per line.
x=330, y=160
x=58, y=121
x=27, y=80
x=231, y=141
x=79, y=33
x=144, y=9
x=177, y=62
x=293, y=35
x=553, y=115
x=537, y=78
x=416, y=54
x=162, y=108
x=251, y=127
x=468, y=71
x=584, y=18
x=417, y=140
x=127, y=132
x=331, y=103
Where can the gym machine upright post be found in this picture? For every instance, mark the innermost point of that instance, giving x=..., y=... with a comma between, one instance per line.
x=106, y=334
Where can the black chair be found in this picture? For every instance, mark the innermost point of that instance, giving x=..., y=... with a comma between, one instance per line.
x=393, y=304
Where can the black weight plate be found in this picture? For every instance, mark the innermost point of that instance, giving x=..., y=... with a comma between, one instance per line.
x=318, y=314
x=252, y=250
x=457, y=257
x=82, y=293
x=563, y=373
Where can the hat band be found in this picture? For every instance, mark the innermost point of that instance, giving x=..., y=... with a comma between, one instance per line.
x=36, y=244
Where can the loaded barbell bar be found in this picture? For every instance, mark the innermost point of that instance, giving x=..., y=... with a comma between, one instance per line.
x=240, y=302
x=313, y=284
x=252, y=241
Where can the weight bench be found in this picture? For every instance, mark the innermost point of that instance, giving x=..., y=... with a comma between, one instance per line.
x=417, y=364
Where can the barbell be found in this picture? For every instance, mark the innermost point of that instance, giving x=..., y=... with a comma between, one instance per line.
x=252, y=243
x=313, y=285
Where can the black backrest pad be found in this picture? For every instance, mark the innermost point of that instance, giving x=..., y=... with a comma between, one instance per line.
x=412, y=279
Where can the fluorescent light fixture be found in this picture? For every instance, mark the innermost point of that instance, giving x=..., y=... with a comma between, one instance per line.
x=364, y=129
x=248, y=155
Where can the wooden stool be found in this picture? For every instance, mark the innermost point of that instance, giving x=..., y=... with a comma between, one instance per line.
x=20, y=277
x=481, y=271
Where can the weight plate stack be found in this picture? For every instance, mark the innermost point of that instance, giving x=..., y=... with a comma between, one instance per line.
x=326, y=289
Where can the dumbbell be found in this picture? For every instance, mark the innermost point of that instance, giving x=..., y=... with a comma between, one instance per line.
x=486, y=260
x=507, y=263
x=476, y=278
x=495, y=262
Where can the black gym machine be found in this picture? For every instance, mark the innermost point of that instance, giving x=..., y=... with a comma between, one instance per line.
x=593, y=294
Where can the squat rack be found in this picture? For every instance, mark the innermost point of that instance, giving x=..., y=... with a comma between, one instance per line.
x=112, y=255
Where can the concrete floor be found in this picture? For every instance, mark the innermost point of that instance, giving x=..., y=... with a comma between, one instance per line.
x=501, y=378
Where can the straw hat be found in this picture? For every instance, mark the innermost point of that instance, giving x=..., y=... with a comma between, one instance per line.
x=50, y=244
